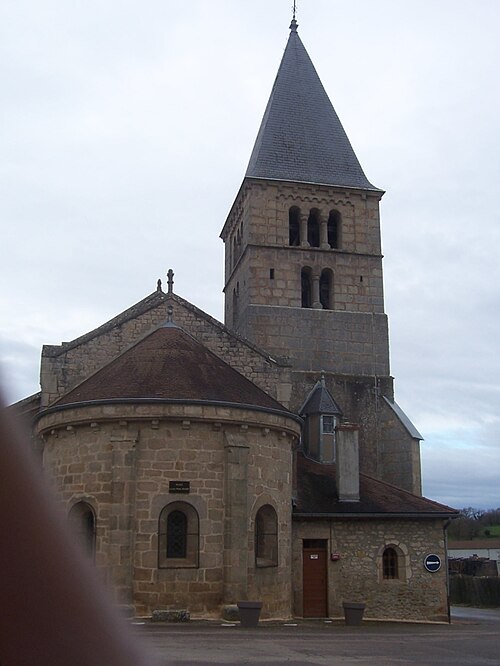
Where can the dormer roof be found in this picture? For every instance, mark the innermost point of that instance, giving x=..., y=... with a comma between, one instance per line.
x=320, y=401
x=301, y=137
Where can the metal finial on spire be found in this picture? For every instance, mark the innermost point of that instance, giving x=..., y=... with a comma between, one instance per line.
x=170, y=281
x=294, y=25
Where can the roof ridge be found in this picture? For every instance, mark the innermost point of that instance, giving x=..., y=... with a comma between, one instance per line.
x=151, y=383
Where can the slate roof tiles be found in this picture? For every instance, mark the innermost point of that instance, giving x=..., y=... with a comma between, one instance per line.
x=301, y=137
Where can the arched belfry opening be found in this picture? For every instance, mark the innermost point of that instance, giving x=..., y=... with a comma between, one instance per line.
x=325, y=289
x=294, y=226
x=333, y=229
x=313, y=235
x=306, y=287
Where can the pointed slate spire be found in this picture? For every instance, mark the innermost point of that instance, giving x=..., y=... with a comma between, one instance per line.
x=301, y=137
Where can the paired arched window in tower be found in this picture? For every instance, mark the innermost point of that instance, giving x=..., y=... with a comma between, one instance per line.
x=266, y=537
x=316, y=290
x=82, y=521
x=178, y=536
x=317, y=231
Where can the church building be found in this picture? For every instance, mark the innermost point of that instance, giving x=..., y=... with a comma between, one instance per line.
x=265, y=458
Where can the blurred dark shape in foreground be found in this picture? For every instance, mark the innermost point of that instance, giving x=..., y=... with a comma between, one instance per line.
x=53, y=610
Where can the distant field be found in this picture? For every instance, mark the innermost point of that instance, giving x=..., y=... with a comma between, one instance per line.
x=494, y=531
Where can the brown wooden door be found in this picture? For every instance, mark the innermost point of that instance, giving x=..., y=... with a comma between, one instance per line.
x=315, y=600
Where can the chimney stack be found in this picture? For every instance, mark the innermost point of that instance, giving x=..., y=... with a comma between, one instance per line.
x=347, y=462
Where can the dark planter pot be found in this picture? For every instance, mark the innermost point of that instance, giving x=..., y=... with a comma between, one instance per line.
x=353, y=613
x=249, y=613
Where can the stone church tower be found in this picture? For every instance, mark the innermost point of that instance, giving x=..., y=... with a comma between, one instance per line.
x=303, y=266
x=203, y=464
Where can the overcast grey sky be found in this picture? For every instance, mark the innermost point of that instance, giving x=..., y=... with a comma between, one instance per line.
x=125, y=132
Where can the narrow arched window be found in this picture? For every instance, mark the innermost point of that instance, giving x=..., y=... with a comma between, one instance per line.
x=306, y=287
x=325, y=289
x=390, y=563
x=313, y=228
x=294, y=226
x=266, y=537
x=178, y=536
x=333, y=229
x=82, y=521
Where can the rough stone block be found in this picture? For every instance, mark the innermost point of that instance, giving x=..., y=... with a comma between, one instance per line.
x=161, y=615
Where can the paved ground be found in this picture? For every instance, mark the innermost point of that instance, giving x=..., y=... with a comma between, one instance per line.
x=473, y=639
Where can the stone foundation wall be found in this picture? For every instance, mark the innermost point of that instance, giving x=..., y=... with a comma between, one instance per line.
x=357, y=575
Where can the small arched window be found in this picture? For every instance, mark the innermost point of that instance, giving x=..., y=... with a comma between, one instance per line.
x=82, y=521
x=178, y=536
x=306, y=287
x=294, y=226
x=333, y=229
x=313, y=228
x=266, y=537
x=325, y=289
x=390, y=568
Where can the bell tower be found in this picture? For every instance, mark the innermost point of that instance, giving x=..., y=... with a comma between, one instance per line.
x=303, y=262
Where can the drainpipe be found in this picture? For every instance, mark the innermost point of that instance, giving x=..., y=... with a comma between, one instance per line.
x=445, y=536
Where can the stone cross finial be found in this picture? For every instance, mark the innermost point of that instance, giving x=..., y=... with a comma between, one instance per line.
x=170, y=281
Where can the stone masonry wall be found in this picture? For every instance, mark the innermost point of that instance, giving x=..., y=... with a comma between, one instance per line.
x=340, y=342
x=256, y=237
x=65, y=366
x=399, y=452
x=357, y=575
x=120, y=460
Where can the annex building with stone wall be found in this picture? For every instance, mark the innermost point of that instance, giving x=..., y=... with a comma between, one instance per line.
x=203, y=463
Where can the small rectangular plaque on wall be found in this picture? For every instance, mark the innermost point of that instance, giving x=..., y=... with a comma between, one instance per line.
x=178, y=486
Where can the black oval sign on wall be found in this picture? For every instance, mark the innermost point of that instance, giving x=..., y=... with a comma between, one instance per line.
x=432, y=563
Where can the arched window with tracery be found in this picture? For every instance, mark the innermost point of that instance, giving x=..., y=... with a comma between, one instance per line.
x=81, y=518
x=325, y=289
x=333, y=229
x=266, y=537
x=178, y=536
x=294, y=226
x=313, y=235
x=306, y=287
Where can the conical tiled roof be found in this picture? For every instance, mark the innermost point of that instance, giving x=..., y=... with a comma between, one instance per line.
x=169, y=365
x=301, y=137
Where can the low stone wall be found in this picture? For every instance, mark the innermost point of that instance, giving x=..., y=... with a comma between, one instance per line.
x=475, y=590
